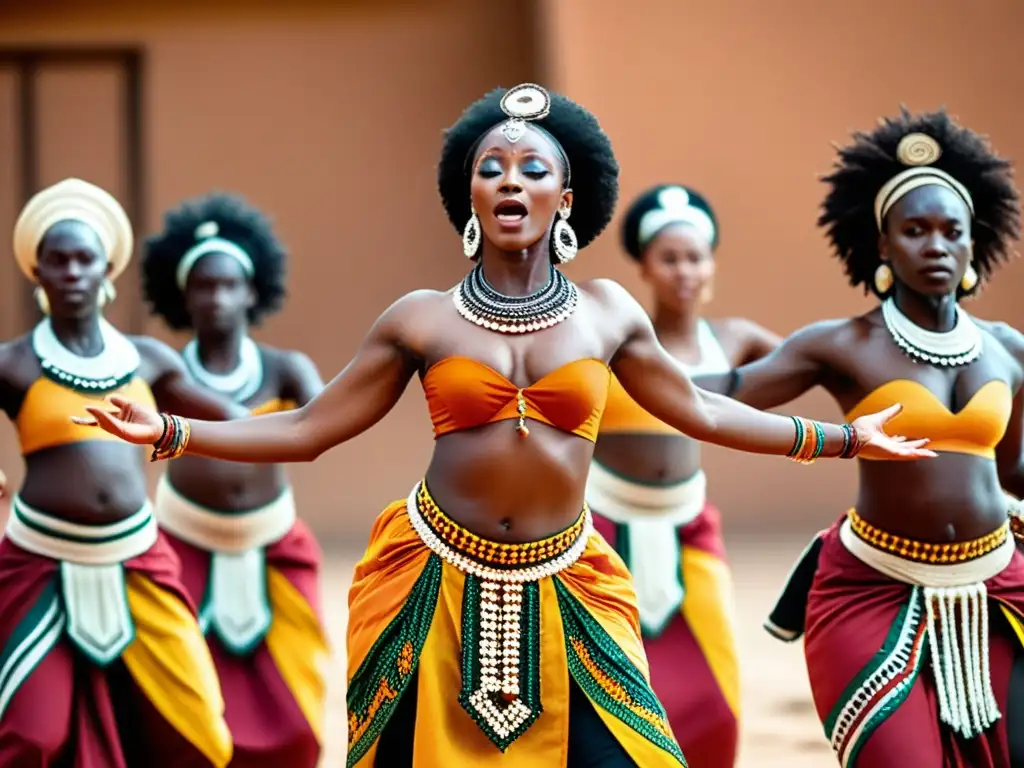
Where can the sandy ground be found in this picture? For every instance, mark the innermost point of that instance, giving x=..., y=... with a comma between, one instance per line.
x=780, y=728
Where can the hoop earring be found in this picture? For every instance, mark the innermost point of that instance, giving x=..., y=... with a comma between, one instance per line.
x=107, y=293
x=564, y=238
x=41, y=301
x=970, y=279
x=471, y=235
x=883, y=279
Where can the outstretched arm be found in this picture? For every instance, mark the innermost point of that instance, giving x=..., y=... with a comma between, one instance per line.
x=360, y=396
x=660, y=386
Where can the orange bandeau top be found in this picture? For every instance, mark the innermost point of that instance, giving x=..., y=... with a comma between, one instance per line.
x=44, y=420
x=463, y=393
x=976, y=429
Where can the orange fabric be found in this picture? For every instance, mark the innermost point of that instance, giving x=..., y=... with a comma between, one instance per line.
x=463, y=393
x=44, y=420
x=623, y=414
x=274, y=405
x=445, y=735
x=976, y=429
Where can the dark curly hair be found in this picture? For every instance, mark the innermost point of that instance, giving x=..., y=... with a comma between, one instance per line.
x=238, y=222
x=595, y=171
x=864, y=166
x=650, y=200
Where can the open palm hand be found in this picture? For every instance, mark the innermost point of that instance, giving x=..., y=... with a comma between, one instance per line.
x=876, y=444
x=130, y=421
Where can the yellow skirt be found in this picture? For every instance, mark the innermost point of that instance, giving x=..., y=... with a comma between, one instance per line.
x=411, y=610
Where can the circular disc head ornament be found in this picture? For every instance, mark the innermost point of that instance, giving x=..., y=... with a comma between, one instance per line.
x=206, y=230
x=917, y=149
x=526, y=102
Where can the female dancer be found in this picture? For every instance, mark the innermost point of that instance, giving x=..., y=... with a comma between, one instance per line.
x=248, y=563
x=488, y=579
x=914, y=614
x=103, y=661
x=647, y=489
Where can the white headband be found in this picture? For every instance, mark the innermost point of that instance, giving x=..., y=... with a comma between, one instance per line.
x=918, y=151
x=674, y=208
x=211, y=244
x=74, y=200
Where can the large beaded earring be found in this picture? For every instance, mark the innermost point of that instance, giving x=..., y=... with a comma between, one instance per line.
x=565, y=243
x=471, y=235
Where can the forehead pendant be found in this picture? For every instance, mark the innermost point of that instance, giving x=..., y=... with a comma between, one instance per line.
x=522, y=103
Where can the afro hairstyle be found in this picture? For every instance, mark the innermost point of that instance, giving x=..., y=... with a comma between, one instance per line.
x=592, y=163
x=651, y=200
x=865, y=165
x=238, y=222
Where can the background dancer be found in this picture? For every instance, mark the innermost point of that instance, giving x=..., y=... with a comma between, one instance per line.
x=104, y=661
x=921, y=211
x=445, y=642
x=250, y=565
x=648, y=491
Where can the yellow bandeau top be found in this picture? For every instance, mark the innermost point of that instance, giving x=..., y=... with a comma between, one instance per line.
x=975, y=429
x=44, y=420
x=622, y=414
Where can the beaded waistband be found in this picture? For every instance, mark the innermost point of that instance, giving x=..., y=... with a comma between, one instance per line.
x=927, y=552
x=499, y=561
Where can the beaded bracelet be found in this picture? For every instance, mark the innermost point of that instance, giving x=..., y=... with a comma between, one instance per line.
x=174, y=438
x=810, y=441
x=851, y=442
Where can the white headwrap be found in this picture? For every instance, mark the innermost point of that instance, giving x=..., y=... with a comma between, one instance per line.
x=74, y=200
x=674, y=207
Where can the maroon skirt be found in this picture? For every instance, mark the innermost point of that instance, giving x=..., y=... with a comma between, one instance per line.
x=157, y=705
x=868, y=651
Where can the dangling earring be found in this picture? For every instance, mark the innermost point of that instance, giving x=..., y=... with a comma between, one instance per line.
x=566, y=245
x=707, y=293
x=970, y=279
x=41, y=301
x=107, y=293
x=471, y=235
x=883, y=279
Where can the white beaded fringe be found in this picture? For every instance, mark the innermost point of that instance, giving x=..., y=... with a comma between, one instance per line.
x=960, y=662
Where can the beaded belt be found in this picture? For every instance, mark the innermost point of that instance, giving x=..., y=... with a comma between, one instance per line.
x=923, y=551
x=501, y=612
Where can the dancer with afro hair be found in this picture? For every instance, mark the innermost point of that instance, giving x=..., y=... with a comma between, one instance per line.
x=912, y=604
x=216, y=270
x=489, y=625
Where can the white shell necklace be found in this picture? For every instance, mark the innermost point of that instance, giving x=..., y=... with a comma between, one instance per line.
x=956, y=347
x=111, y=369
x=241, y=383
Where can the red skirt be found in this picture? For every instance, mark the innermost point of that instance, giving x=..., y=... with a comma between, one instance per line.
x=158, y=705
x=693, y=659
x=853, y=620
x=274, y=695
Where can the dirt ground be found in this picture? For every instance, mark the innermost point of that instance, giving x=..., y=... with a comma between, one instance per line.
x=780, y=729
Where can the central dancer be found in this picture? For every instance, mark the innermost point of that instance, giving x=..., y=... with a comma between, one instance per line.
x=489, y=625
